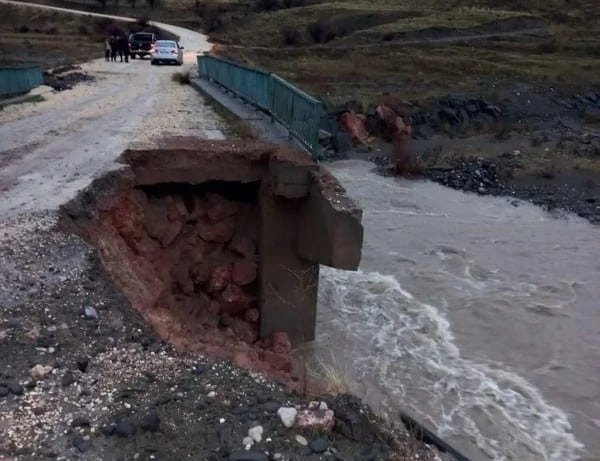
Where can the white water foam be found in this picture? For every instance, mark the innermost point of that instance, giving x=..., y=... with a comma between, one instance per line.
x=407, y=346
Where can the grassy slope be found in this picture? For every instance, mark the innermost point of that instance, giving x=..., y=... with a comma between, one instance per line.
x=343, y=68
x=569, y=54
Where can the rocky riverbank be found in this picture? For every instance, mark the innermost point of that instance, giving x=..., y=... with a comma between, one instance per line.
x=84, y=378
x=529, y=143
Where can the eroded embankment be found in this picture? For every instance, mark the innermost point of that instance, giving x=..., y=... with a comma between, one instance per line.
x=217, y=245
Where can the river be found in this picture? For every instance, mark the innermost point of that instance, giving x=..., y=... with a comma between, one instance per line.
x=477, y=315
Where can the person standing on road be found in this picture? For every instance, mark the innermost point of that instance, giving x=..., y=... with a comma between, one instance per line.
x=123, y=45
x=107, y=49
x=113, y=48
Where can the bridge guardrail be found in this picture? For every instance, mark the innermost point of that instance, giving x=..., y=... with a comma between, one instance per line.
x=19, y=79
x=299, y=112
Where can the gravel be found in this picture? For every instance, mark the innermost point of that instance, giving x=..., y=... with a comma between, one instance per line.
x=105, y=392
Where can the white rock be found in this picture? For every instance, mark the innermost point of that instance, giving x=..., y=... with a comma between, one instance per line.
x=277, y=456
x=221, y=421
x=287, y=416
x=301, y=440
x=256, y=433
x=211, y=394
x=313, y=405
x=247, y=442
x=90, y=313
x=323, y=406
x=40, y=371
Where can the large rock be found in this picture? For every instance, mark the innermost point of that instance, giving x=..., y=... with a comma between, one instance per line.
x=245, y=331
x=39, y=371
x=219, y=208
x=280, y=362
x=218, y=232
x=234, y=300
x=219, y=279
x=244, y=272
x=354, y=125
x=315, y=420
x=287, y=415
x=243, y=246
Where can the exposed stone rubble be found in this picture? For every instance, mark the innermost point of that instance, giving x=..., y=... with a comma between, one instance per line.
x=218, y=249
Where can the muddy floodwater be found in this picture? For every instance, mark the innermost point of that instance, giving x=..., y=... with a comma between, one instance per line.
x=478, y=315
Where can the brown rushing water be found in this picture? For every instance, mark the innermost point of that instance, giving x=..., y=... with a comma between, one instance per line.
x=478, y=317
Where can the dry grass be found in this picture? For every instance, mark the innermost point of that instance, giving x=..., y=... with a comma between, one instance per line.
x=328, y=374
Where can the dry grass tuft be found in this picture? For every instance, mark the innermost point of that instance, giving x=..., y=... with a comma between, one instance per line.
x=330, y=375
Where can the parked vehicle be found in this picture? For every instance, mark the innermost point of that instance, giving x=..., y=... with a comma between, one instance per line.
x=141, y=44
x=167, y=51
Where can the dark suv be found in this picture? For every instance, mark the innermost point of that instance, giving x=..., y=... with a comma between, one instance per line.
x=141, y=44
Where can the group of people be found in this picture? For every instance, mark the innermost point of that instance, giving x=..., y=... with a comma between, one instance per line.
x=116, y=44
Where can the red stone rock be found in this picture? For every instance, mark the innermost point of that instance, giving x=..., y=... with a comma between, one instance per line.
x=315, y=420
x=145, y=246
x=199, y=208
x=164, y=219
x=220, y=208
x=245, y=358
x=244, y=272
x=252, y=315
x=201, y=272
x=127, y=218
x=219, y=279
x=155, y=216
x=234, y=300
x=243, y=246
x=219, y=232
x=281, y=343
x=214, y=307
x=171, y=231
x=177, y=211
x=245, y=331
x=182, y=278
x=281, y=362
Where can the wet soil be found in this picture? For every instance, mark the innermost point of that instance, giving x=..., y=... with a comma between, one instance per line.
x=84, y=378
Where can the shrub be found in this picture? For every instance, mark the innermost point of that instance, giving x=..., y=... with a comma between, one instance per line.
x=23, y=29
x=266, y=5
x=325, y=30
x=291, y=35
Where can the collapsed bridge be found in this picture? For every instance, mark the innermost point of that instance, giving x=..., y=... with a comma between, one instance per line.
x=217, y=245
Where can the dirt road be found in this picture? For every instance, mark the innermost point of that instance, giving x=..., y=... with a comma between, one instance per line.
x=52, y=149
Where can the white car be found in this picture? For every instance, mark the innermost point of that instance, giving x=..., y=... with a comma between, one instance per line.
x=167, y=51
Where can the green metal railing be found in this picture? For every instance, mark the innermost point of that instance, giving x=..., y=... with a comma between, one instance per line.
x=299, y=112
x=19, y=79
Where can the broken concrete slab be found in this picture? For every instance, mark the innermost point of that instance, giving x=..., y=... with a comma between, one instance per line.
x=291, y=215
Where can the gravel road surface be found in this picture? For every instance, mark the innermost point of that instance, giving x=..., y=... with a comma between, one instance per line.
x=50, y=150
